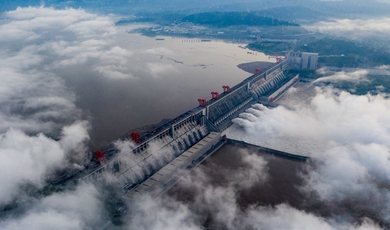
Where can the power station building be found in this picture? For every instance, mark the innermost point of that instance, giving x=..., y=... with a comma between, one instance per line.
x=303, y=60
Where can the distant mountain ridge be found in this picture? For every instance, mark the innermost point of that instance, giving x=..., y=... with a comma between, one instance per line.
x=282, y=9
x=223, y=19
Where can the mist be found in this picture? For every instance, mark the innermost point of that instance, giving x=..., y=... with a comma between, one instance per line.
x=346, y=135
x=42, y=129
x=203, y=200
x=78, y=209
x=369, y=30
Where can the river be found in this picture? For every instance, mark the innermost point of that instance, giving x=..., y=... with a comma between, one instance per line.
x=168, y=77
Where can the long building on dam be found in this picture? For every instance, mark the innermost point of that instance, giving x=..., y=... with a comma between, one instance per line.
x=158, y=157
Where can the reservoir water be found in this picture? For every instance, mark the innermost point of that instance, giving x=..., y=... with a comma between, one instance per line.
x=166, y=79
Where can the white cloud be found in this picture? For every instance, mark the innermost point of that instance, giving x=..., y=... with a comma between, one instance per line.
x=285, y=217
x=347, y=135
x=346, y=171
x=254, y=171
x=79, y=209
x=154, y=214
x=34, y=101
x=30, y=159
x=156, y=68
x=384, y=67
x=331, y=116
x=356, y=76
x=160, y=51
x=39, y=44
x=26, y=159
x=115, y=63
x=73, y=141
x=218, y=208
x=48, y=39
x=355, y=28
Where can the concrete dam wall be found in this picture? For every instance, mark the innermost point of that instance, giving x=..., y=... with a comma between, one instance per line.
x=153, y=151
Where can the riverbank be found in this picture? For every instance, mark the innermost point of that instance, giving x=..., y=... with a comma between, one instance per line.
x=251, y=67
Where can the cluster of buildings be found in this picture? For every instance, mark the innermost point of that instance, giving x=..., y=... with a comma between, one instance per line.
x=302, y=60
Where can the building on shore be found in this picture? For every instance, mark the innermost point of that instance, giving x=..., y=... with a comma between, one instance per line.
x=303, y=60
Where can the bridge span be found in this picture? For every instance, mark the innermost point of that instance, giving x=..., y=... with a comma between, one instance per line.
x=161, y=155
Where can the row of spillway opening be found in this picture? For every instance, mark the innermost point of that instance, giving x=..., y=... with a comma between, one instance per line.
x=151, y=164
x=268, y=84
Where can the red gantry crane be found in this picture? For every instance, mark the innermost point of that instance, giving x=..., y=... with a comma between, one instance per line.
x=214, y=95
x=226, y=89
x=135, y=136
x=202, y=102
x=99, y=156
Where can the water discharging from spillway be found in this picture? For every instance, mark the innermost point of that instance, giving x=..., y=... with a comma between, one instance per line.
x=137, y=167
x=251, y=128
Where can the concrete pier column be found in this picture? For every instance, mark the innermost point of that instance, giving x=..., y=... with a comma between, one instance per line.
x=172, y=131
x=202, y=120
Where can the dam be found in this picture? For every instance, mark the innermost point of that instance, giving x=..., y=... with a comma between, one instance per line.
x=156, y=158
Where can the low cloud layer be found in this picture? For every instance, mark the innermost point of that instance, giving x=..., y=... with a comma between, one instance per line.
x=348, y=137
x=354, y=28
x=35, y=103
x=27, y=162
x=217, y=207
x=330, y=116
x=30, y=159
x=63, y=38
x=37, y=45
x=157, y=69
x=78, y=209
x=356, y=76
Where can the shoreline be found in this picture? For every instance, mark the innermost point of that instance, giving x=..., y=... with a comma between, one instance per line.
x=250, y=67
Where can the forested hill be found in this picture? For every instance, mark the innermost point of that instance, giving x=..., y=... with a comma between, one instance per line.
x=223, y=19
